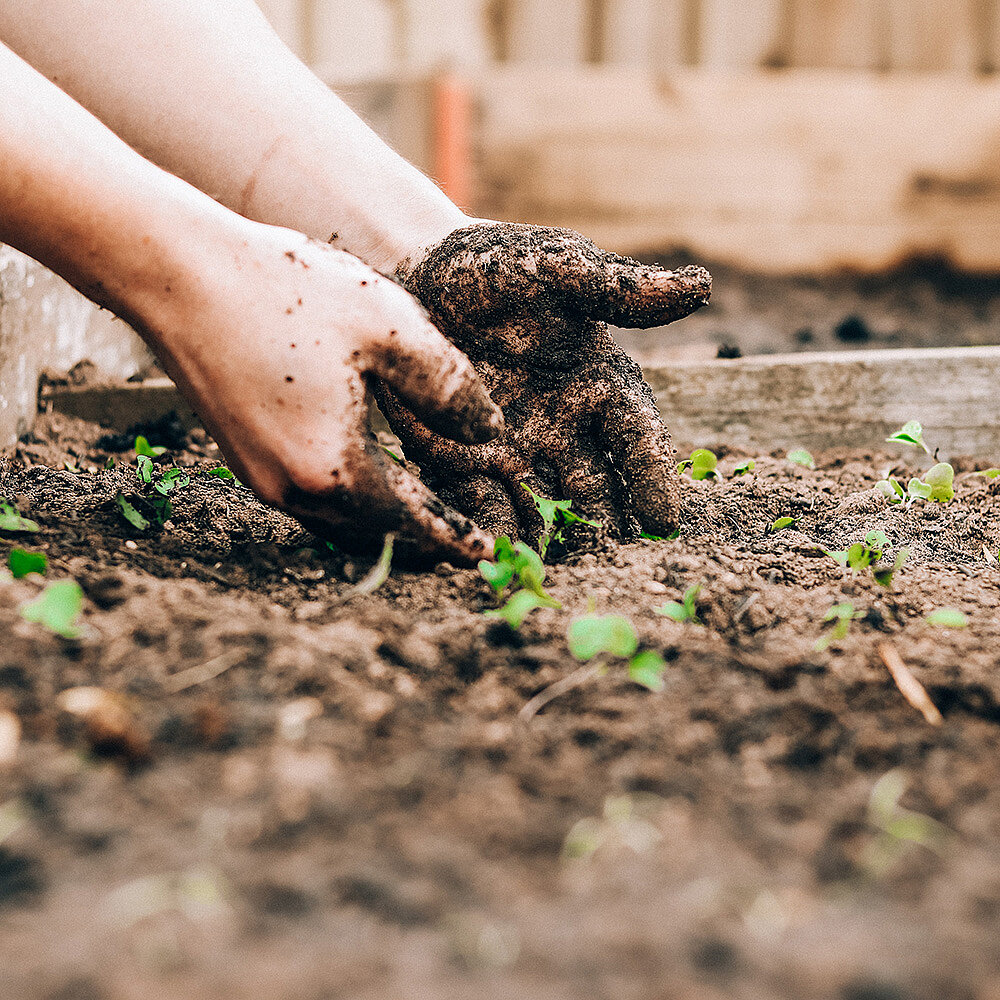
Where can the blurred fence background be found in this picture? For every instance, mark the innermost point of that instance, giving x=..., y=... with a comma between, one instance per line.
x=364, y=36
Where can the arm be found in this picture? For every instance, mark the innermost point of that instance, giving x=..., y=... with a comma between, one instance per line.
x=273, y=338
x=205, y=89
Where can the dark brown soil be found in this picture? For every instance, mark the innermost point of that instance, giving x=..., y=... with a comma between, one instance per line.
x=352, y=807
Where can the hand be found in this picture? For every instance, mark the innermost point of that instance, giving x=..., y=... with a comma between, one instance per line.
x=275, y=341
x=529, y=306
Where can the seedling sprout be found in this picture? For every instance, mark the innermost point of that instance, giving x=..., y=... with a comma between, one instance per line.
x=557, y=518
x=146, y=450
x=802, y=457
x=780, y=523
x=701, y=465
x=841, y=615
x=947, y=618
x=57, y=608
x=13, y=523
x=897, y=827
x=615, y=636
x=744, y=467
x=686, y=609
x=910, y=433
x=21, y=562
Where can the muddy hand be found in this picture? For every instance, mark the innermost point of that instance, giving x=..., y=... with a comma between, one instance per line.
x=529, y=306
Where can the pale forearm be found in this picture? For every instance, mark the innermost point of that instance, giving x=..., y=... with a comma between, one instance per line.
x=208, y=91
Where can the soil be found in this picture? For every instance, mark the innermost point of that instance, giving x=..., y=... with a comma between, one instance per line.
x=297, y=790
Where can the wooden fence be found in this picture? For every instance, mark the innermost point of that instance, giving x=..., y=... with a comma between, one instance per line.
x=355, y=37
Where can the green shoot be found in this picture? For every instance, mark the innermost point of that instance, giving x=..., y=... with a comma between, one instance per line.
x=676, y=533
x=897, y=828
x=57, y=608
x=801, y=457
x=398, y=459
x=910, y=433
x=891, y=489
x=109, y=464
x=144, y=468
x=497, y=574
x=519, y=605
x=702, y=464
x=22, y=562
x=221, y=473
x=744, y=467
x=685, y=610
x=883, y=577
x=379, y=573
x=144, y=448
x=781, y=523
x=937, y=484
x=613, y=635
x=988, y=473
x=131, y=514
x=557, y=518
x=12, y=522
x=947, y=618
x=841, y=615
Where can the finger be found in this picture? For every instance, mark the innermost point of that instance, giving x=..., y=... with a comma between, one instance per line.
x=385, y=497
x=437, y=381
x=596, y=490
x=639, y=446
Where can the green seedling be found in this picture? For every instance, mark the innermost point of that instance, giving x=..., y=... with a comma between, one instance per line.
x=988, y=473
x=938, y=484
x=221, y=473
x=947, y=618
x=379, y=573
x=144, y=448
x=801, y=457
x=557, y=518
x=109, y=464
x=675, y=534
x=780, y=523
x=13, y=523
x=158, y=502
x=57, y=608
x=626, y=821
x=686, y=609
x=398, y=459
x=701, y=465
x=883, y=576
x=21, y=563
x=518, y=564
x=841, y=615
x=744, y=467
x=144, y=468
x=910, y=433
x=891, y=489
x=130, y=514
x=519, y=605
x=897, y=828
x=615, y=636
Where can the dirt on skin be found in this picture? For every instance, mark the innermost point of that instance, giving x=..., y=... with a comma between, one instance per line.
x=331, y=795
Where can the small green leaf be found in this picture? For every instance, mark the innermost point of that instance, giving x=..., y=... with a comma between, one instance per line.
x=859, y=556
x=703, y=464
x=497, y=575
x=947, y=618
x=221, y=473
x=941, y=479
x=988, y=473
x=57, y=608
x=173, y=479
x=651, y=538
x=22, y=562
x=891, y=490
x=780, y=523
x=109, y=464
x=143, y=447
x=910, y=433
x=131, y=514
x=646, y=668
x=744, y=467
x=838, y=557
x=673, y=610
x=877, y=540
x=919, y=490
x=595, y=634
x=517, y=608
x=398, y=459
x=802, y=457
x=12, y=522
x=686, y=610
x=144, y=468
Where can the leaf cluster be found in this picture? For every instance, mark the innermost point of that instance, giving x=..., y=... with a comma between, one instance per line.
x=801, y=457
x=684, y=610
x=864, y=555
x=615, y=636
x=701, y=465
x=557, y=517
x=841, y=615
x=516, y=565
x=11, y=522
x=155, y=505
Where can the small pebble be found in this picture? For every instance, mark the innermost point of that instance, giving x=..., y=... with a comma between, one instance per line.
x=129, y=544
x=654, y=587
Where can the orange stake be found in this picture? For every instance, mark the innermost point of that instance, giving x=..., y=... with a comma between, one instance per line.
x=452, y=112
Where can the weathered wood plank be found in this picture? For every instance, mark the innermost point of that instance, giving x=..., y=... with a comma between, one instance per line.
x=852, y=399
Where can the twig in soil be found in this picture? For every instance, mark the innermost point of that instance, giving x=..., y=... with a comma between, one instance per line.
x=579, y=676
x=374, y=578
x=745, y=607
x=204, y=671
x=910, y=688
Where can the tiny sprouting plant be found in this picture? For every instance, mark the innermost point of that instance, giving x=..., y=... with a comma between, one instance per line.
x=781, y=523
x=937, y=485
x=988, y=473
x=144, y=448
x=626, y=820
x=947, y=618
x=557, y=519
x=684, y=610
x=744, y=467
x=892, y=489
x=910, y=433
x=21, y=563
x=801, y=457
x=883, y=575
x=517, y=564
x=57, y=608
x=13, y=523
x=130, y=514
x=862, y=555
x=398, y=459
x=676, y=533
x=615, y=636
x=157, y=502
x=897, y=828
x=701, y=465
x=841, y=615
x=221, y=472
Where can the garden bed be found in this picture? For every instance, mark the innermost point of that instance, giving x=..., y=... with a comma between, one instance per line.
x=303, y=791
